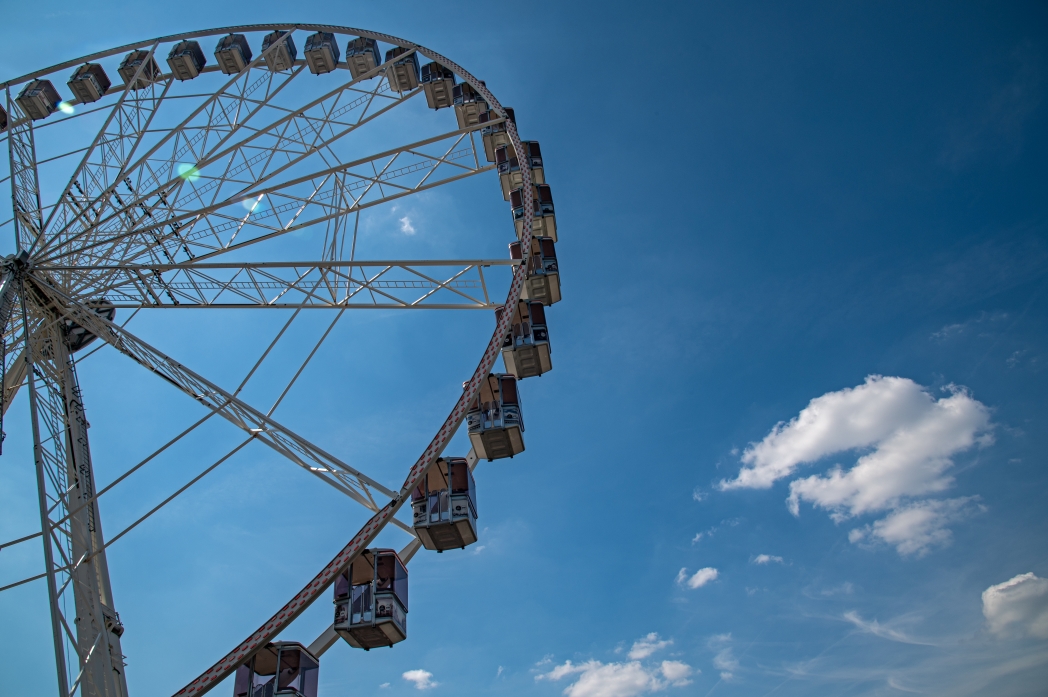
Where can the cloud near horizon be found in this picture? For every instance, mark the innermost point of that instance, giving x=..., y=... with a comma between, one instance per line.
x=909, y=438
x=626, y=679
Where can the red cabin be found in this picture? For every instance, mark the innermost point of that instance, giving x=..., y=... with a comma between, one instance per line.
x=526, y=350
x=543, y=216
x=444, y=505
x=371, y=600
x=495, y=423
x=543, y=279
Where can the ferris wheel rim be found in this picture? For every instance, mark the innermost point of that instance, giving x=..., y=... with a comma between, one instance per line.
x=383, y=515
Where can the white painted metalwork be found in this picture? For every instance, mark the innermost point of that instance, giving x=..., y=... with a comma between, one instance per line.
x=190, y=194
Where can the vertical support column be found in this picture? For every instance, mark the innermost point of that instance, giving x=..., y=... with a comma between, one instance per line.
x=57, y=620
x=74, y=547
x=25, y=188
x=97, y=623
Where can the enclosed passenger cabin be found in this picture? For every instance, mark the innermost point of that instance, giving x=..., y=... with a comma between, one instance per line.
x=403, y=75
x=438, y=83
x=495, y=135
x=186, y=60
x=543, y=216
x=494, y=422
x=77, y=337
x=284, y=53
x=445, y=506
x=280, y=668
x=129, y=68
x=543, y=276
x=322, y=52
x=509, y=168
x=371, y=600
x=38, y=99
x=526, y=350
x=89, y=83
x=361, y=56
x=3, y=119
x=469, y=105
x=233, y=53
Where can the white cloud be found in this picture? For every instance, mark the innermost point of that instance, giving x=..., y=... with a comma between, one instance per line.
x=596, y=679
x=699, y=579
x=406, y=227
x=698, y=536
x=422, y=679
x=1018, y=606
x=698, y=494
x=917, y=527
x=766, y=559
x=642, y=648
x=384, y=686
x=676, y=672
x=910, y=438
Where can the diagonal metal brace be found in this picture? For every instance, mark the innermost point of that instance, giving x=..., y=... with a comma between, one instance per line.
x=302, y=452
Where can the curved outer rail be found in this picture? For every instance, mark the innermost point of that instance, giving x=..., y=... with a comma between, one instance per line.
x=320, y=583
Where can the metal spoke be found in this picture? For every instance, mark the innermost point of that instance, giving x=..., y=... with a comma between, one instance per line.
x=296, y=448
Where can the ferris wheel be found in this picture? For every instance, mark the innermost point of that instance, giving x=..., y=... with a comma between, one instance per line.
x=181, y=172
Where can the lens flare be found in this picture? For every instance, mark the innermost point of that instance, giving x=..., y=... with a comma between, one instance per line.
x=188, y=172
x=253, y=205
x=65, y=107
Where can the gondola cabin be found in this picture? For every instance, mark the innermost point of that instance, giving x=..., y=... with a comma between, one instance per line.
x=543, y=278
x=38, y=99
x=469, y=105
x=233, y=53
x=280, y=668
x=543, y=217
x=444, y=505
x=362, y=56
x=371, y=600
x=139, y=63
x=403, y=75
x=494, y=422
x=322, y=52
x=494, y=135
x=89, y=83
x=526, y=351
x=77, y=337
x=3, y=119
x=186, y=60
x=438, y=82
x=509, y=167
x=284, y=53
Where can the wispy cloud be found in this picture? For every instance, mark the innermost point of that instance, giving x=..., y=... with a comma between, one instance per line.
x=406, y=227
x=877, y=629
x=642, y=648
x=627, y=679
x=767, y=559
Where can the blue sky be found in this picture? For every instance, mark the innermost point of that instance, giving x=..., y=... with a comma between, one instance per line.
x=794, y=440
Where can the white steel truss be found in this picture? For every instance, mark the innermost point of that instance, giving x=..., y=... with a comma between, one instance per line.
x=419, y=284
x=176, y=179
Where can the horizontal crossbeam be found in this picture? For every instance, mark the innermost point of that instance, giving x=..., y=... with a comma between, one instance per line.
x=382, y=284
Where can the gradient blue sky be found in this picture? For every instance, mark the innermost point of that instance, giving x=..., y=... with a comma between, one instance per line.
x=761, y=205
